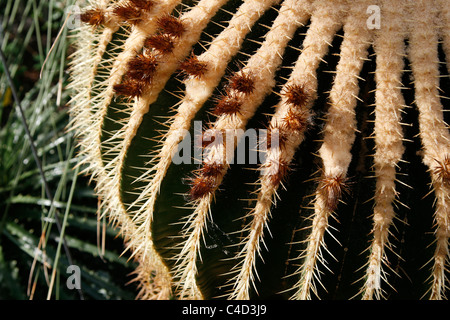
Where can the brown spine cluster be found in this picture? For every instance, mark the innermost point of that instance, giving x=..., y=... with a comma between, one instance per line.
x=296, y=120
x=193, y=67
x=129, y=88
x=227, y=104
x=139, y=75
x=205, y=180
x=133, y=11
x=242, y=82
x=442, y=171
x=239, y=85
x=163, y=43
x=171, y=25
x=94, y=17
x=332, y=190
x=142, y=68
x=296, y=95
x=297, y=116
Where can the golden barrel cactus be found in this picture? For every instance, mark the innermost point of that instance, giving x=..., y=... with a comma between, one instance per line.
x=223, y=135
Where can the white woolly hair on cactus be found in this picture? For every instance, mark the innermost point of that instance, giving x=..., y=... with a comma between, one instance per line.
x=234, y=63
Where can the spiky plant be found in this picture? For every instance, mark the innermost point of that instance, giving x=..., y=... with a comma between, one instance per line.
x=35, y=250
x=319, y=78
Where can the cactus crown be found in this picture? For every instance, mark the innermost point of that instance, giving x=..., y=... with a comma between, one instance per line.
x=315, y=78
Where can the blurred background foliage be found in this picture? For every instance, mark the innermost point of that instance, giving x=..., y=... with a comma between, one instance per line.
x=33, y=262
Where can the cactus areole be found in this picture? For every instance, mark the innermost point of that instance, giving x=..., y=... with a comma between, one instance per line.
x=262, y=149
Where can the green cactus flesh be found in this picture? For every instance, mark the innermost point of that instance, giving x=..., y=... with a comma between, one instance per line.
x=357, y=205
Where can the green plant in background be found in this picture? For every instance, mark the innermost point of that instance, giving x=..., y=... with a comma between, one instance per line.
x=33, y=262
x=346, y=89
